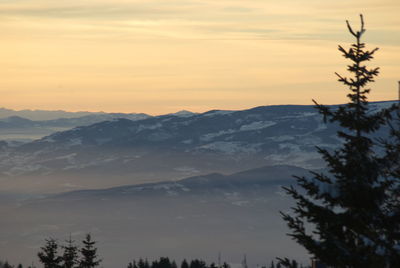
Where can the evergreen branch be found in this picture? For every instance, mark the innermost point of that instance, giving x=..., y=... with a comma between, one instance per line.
x=350, y=29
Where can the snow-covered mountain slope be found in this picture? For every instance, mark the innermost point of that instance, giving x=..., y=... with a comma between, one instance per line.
x=177, y=146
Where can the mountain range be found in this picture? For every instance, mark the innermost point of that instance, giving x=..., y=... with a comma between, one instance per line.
x=40, y=115
x=16, y=129
x=123, y=151
x=157, y=186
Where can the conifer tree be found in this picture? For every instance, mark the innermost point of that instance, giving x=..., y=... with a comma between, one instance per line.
x=341, y=216
x=70, y=256
x=197, y=264
x=89, y=253
x=143, y=263
x=184, y=264
x=49, y=254
x=6, y=265
x=225, y=265
x=132, y=264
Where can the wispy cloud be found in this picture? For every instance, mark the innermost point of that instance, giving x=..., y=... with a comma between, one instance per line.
x=306, y=19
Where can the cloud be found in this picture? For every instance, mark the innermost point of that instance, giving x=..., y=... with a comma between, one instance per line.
x=251, y=19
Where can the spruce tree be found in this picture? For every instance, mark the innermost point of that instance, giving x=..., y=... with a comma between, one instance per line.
x=341, y=216
x=49, y=254
x=89, y=253
x=70, y=256
x=184, y=264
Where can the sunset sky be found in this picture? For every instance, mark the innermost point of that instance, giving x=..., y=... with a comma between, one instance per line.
x=160, y=56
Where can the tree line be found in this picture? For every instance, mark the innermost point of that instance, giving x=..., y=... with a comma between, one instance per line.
x=71, y=256
x=165, y=262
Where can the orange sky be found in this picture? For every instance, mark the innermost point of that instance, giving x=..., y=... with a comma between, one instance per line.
x=160, y=56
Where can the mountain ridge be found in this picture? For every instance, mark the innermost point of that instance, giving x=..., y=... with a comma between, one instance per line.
x=258, y=177
x=171, y=146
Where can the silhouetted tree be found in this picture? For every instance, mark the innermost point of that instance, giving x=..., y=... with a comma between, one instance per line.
x=341, y=216
x=289, y=263
x=197, y=264
x=184, y=264
x=70, y=256
x=6, y=265
x=89, y=253
x=212, y=265
x=143, y=263
x=49, y=254
x=225, y=265
x=132, y=264
x=165, y=262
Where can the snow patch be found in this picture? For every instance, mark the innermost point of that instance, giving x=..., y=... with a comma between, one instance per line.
x=151, y=127
x=76, y=141
x=210, y=136
x=19, y=170
x=257, y=125
x=222, y=112
x=282, y=138
x=69, y=157
x=49, y=139
x=231, y=147
x=299, y=115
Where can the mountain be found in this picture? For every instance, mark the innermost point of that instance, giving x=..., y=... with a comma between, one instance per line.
x=252, y=180
x=38, y=115
x=188, y=218
x=16, y=128
x=91, y=119
x=123, y=151
x=16, y=122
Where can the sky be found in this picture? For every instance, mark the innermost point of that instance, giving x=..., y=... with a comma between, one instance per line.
x=161, y=56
